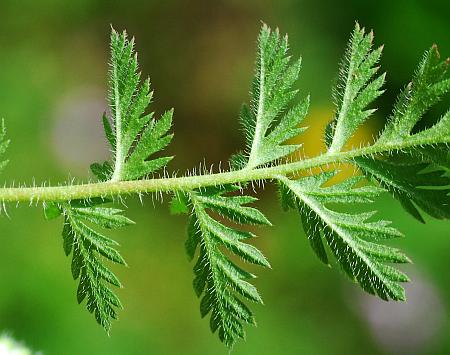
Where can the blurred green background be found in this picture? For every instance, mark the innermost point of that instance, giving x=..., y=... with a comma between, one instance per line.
x=200, y=57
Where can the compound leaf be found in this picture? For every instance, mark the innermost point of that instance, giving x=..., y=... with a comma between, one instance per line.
x=267, y=121
x=89, y=250
x=410, y=180
x=351, y=237
x=417, y=176
x=133, y=135
x=430, y=83
x=356, y=89
x=217, y=278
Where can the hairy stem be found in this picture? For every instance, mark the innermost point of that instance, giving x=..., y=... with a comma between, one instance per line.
x=187, y=183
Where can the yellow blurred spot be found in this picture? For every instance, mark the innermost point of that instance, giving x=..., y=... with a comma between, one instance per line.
x=313, y=141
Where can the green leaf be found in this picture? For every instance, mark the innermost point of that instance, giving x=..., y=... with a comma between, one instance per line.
x=179, y=204
x=89, y=249
x=417, y=177
x=153, y=139
x=430, y=83
x=405, y=176
x=103, y=171
x=52, y=211
x=268, y=122
x=134, y=136
x=356, y=89
x=232, y=207
x=238, y=161
x=410, y=159
x=351, y=237
x=217, y=278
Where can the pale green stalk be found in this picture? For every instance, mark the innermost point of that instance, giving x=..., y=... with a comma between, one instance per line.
x=186, y=183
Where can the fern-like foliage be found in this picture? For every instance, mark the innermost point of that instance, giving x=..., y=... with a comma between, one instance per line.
x=356, y=88
x=266, y=124
x=414, y=180
x=430, y=83
x=133, y=135
x=218, y=278
x=415, y=176
x=418, y=176
x=90, y=249
x=407, y=160
x=351, y=237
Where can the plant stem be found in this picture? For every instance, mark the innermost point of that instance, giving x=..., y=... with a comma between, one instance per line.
x=187, y=183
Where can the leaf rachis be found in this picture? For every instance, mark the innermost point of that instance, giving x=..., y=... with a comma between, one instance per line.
x=413, y=165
